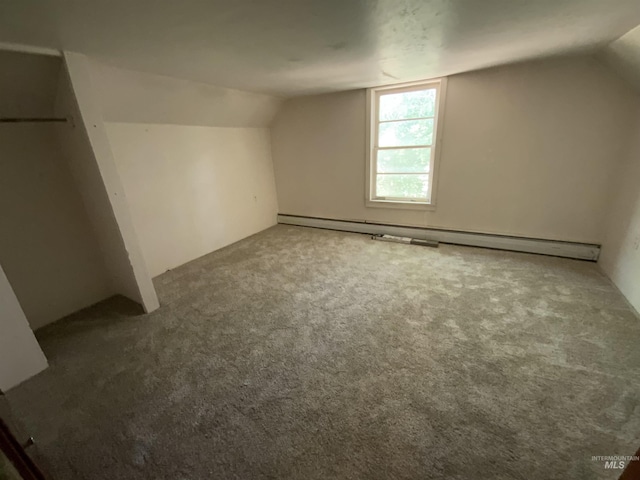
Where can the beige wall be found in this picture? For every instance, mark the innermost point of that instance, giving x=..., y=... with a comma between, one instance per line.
x=47, y=246
x=91, y=161
x=194, y=159
x=28, y=84
x=193, y=190
x=20, y=354
x=620, y=258
x=527, y=150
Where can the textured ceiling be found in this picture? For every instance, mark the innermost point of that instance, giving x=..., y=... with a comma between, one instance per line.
x=292, y=47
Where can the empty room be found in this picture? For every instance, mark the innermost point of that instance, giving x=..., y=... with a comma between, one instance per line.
x=386, y=239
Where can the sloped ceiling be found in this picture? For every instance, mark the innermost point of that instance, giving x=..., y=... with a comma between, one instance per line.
x=292, y=47
x=135, y=97
x=623, y=55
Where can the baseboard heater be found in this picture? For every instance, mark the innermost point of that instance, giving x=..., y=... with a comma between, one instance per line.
x=581, y=251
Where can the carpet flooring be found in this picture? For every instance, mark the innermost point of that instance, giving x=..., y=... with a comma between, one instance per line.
x=310, y=354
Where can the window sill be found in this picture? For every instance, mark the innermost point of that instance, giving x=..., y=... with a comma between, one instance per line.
x=399, y=205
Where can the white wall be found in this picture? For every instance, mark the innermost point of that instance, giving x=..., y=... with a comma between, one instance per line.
x=527, y=150
x=47, y=246
x=193, y=190
x=20, y=354
x=91, y=161
x=620, y=258
x=194, y=159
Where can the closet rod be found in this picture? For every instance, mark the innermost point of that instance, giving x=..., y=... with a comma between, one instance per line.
x=33, y=119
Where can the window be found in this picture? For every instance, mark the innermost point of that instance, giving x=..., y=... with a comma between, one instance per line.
x=404, y=123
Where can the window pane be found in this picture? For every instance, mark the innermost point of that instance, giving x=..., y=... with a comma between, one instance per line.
x=404, y=160
x=399, y=106
x=402, y=186
x=405, y=133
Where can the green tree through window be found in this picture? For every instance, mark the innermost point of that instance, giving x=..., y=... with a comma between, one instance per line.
x=405, y=128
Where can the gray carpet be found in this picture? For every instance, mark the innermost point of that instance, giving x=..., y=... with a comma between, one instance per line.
x=310, y=354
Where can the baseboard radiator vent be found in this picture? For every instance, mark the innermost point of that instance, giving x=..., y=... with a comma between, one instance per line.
x=581, y=251
x=406, y=240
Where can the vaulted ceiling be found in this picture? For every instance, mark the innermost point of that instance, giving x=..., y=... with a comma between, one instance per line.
x=292, y=47
x=623, y=55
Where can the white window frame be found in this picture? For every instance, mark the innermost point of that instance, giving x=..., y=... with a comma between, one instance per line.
x=373, y=102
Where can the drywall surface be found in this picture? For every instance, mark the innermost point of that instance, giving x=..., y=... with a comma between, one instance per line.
x=28, y=84
x=193, y=190
x=623, y=55
x=92, y=164
x=527, y=150
x=128, y=96
x=47, y=245
x=620, y=258
x=194, y=160
x=20, y=354
x=295, y=47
